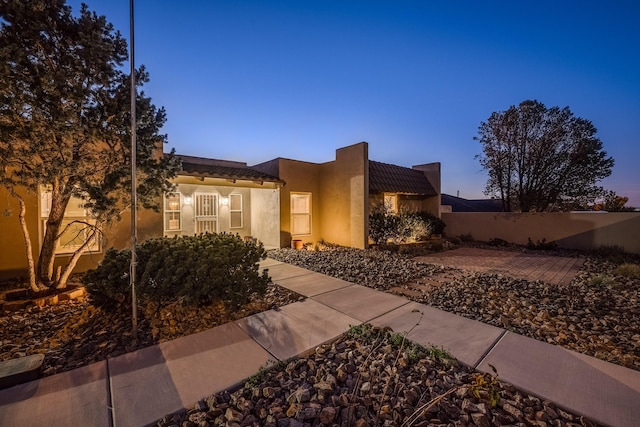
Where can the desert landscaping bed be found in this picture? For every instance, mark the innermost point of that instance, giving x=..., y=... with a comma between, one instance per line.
x=359, y=380
x=74, y=333
x=598, y=314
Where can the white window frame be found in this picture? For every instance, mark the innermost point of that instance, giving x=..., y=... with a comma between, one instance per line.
x=168, y=213
x=232, y=211
x=296, y=216
x=84, y=217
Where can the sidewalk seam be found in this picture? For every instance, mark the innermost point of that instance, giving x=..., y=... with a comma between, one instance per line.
x=490, y=349
x=111, y=414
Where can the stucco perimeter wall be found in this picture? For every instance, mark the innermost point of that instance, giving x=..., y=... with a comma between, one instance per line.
x=345, y=195
x=583, y=230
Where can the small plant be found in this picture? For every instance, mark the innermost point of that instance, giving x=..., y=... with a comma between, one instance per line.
x=487, y=383
x=466, y=238
x=628, y=270
x=257, y=378
x=541, y=245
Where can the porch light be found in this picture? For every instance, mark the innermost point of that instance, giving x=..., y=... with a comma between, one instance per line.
x=187, y=200
x=225, y=201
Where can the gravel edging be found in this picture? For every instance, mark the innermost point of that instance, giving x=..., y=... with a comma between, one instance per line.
x=372, y=379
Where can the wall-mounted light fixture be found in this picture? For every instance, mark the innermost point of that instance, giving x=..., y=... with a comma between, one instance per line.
x=225, y=201
x=187, y=200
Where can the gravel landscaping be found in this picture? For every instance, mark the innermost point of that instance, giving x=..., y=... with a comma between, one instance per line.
x=75, y=333
x=372, y=377
x=369, y=377
x=598, y=314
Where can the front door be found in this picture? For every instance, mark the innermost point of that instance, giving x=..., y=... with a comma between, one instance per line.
x=206, y=212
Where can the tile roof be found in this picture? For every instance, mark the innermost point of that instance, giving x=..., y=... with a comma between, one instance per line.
x=386, y=178
x=459, y=204
x=213, y=168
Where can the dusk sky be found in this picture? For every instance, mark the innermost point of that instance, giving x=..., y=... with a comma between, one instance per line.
x=254, y=80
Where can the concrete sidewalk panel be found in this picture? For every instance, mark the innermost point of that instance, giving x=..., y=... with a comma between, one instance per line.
x=78, y=397
x=361, y=302
x=211, y=361
x=283, y=271
x=142, y=387
x=296, y=328
x=269, y=262
x=604, y=392
x=467, y=340
x=313, y=284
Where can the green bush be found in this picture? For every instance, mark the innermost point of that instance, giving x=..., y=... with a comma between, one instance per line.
x=403, y=227
x=193, y=269
x=383, y=225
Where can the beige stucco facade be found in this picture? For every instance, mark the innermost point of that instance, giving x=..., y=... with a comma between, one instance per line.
x=338, y=193
x=13, y=259
x=259, y=208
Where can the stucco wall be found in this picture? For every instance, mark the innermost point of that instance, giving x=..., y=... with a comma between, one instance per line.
x=13, y=259
x=345, y=195
x=265, y=217
x=584, y=230
x=339, y=196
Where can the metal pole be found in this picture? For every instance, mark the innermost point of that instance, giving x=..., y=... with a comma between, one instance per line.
x=134, y=196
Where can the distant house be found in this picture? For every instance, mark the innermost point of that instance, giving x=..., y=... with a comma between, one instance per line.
x=457, y=204
x=274, y=202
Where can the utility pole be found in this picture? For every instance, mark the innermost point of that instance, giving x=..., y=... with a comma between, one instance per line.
x=134, y=183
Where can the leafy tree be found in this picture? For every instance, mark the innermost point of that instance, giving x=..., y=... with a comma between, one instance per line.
x=611, y=202
x=539, y=158
x=65, y=123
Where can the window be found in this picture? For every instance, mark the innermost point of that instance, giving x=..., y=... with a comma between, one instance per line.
x=172, y=214
x=300, y=214
x=76, y=227
x=391, y=203
x=235, y=210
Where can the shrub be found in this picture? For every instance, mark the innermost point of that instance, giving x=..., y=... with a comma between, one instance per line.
x=194, y=269
x=628, y=270
x=541, y=245
x=466, y=238
x=383, y=225
x=412, y=228
x=403, y=227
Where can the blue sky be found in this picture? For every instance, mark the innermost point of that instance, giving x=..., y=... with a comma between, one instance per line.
x=254, y=80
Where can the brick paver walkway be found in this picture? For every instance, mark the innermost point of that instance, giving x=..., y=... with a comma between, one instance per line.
x=549, y=269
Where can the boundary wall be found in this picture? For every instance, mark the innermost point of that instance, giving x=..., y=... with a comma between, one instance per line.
x=572, y=230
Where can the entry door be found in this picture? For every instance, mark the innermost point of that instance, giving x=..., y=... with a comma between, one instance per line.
x=206, y=212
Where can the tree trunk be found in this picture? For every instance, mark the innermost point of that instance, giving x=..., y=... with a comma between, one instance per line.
x=27, y=241
x=61, y=281
x=47, y=256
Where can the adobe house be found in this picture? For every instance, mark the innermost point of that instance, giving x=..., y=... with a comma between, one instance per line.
x=274, y=202
x=331, y=201
x=222, y=196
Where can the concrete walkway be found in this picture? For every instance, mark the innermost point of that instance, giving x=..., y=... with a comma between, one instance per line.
x=138, y=388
